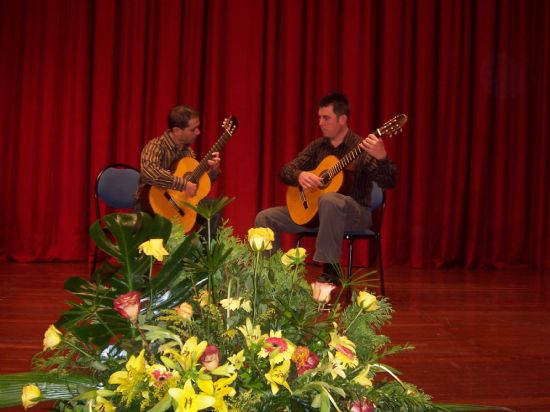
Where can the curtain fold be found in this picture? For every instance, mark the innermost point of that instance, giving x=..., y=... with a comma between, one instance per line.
x=86, y=83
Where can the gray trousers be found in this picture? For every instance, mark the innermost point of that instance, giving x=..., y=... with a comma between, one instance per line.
x=337, y=213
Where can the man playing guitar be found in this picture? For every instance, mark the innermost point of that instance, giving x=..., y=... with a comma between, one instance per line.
x=347, y=209
x=160, y=155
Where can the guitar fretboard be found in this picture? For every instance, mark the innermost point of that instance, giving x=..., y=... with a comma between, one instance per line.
x=203, y=164
x=388, y=128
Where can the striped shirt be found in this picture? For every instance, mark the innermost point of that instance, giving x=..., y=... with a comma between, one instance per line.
x=362, y=171
x=158, y=157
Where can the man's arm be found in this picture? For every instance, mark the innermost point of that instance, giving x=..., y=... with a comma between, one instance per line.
x=154, y=172
x=305, y=160
x=380, y=169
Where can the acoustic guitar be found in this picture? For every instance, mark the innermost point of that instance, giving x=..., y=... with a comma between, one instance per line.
x=174, y=204
x=303, y=204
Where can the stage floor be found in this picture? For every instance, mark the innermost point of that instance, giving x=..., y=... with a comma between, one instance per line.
x=480, y=337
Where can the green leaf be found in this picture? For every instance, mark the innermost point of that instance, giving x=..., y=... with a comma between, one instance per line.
x=53, y=386
x=164, y=404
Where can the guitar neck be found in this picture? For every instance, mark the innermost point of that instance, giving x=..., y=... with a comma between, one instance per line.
x=348, y=158
x=203, y=164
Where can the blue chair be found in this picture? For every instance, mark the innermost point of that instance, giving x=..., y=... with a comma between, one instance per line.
x=378, y=204
x=115, y=186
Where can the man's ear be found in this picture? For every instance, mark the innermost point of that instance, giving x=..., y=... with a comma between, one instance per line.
x=343, y=119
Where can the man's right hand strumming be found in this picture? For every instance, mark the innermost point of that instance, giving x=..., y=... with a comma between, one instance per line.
x=309, y=181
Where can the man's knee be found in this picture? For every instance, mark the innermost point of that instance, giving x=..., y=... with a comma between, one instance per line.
x=261, y=219
x=331, y=201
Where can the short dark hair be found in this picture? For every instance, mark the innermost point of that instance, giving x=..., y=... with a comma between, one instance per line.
x=339, y=102
x=180, y=115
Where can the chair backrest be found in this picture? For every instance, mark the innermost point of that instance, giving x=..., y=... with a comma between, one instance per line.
x=377, y=205
x=376, y=196
x=116, y=185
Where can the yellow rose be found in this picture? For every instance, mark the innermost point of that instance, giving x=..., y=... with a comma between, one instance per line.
x=203, y=298
x=52, y=337
x=185, y=310
x=29, y=394
x=294, y=256
x=154, y=248
x=260, y=238
x=367, y=301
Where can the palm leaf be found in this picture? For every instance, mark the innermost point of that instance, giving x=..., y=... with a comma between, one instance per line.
x=52, y=386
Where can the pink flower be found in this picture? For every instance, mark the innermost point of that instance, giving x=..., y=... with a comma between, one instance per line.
x=347, y=352
x=210, y=358
x=321, y=291
x=276, y=343
x=160, y=375
x=362, y=406
x=304, y=359
x=128, y=305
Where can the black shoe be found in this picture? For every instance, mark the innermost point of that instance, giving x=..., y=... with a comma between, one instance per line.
x=323, y=278
x=330, y=275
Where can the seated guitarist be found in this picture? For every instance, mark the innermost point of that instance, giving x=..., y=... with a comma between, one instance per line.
x=337, y=212
x=161, y=153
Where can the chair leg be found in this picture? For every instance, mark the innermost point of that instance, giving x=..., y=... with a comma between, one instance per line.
x=94, y=262
x=380, y=264
x=349, y=293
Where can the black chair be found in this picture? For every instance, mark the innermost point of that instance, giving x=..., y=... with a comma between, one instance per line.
x=115, y=186
x=378, y=204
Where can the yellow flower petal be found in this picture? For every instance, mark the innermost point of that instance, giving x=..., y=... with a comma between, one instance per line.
x=260, y=238
x=52, y=337
x=367, y=301
x=154, y=247
x=294, y=256
x=29, y=395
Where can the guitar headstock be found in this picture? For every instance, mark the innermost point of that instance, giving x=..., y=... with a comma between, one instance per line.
x=230, y=124
x=392, y=126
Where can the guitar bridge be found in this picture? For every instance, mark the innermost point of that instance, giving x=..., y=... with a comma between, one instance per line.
x=303, y=198
x=179, y=210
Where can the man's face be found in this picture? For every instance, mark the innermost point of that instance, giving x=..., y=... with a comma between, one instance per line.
x=189, y=134
x=331, y=125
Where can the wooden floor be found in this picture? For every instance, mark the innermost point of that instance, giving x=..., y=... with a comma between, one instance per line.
x=481, y=337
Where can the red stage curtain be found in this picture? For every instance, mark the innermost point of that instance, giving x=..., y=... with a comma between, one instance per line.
x=85, y=83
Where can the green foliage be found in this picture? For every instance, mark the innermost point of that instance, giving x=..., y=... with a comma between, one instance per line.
x=258, y=315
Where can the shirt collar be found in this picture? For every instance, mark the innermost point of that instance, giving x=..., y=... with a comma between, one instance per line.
x=169, y=139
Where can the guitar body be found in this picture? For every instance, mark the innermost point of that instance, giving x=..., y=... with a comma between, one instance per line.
x=171, y=203
x=303, y=205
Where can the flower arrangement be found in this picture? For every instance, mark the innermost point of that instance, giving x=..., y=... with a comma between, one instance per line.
x=194, y=322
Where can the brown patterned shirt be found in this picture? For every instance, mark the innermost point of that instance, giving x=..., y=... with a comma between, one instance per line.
x=157, y=158
x=363, y=170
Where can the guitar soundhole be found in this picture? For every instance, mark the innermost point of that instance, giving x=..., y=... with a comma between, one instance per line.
x=326, y=178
